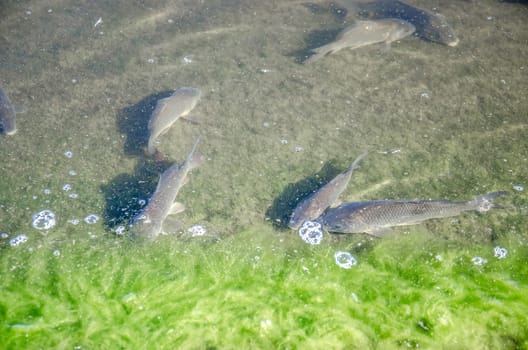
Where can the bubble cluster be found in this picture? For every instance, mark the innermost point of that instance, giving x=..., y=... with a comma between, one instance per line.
x=500, y=252
x=91, y=219
x=18, y=240
x=478, y=260
x=66, y=187
x=344, y=260
x=197, y=230
x=44, y=220
x=311, y=232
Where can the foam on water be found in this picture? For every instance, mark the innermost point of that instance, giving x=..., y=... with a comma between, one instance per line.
x=311, y=232
x=44, y=220
x=344, y=259
x=91, y=219
x=197, y=230
x=500, y=252
x=18, y=240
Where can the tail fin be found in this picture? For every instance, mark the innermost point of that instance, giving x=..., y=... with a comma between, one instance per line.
x=484, y=202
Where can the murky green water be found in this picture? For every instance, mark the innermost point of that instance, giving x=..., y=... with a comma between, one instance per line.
x=272, y=130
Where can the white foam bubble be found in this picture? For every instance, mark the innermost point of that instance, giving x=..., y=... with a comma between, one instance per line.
x=44, y=220
x=500, y=252
x=66, y=187
x=311, y=232
x=74, y=221
x=56, y=252
x=197, y=230
x=68, y=154
x=4, y=235
x=344, y=259
x=91, y=219
x=18, y=240
x=478, y=260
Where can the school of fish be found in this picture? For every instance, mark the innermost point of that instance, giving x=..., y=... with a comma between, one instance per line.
x=381, y=22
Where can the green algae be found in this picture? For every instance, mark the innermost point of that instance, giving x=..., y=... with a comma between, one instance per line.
x=248, y=291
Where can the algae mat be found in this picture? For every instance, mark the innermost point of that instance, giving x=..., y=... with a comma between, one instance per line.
x=439, y=122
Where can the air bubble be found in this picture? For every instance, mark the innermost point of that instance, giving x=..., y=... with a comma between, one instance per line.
x=4, y=235
x=197, y=230
x=72, y=172
x=74, y=221
x=66, y=187
x=56, y=252
x=345, y=260
x=44, y=220
x=311, y=232
x=68, y=154
x=478, y=260
x=18, y=240
x=91, y=219
x=500, y=252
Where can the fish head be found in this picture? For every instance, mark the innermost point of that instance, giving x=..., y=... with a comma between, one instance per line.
x=401, y=30
x=295, y=220
x=143, y=226
x=438, y=30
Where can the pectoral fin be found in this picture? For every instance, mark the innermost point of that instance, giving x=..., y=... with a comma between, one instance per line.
x=171, y=225
x=176, y=208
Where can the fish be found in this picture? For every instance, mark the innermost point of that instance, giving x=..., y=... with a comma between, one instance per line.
x=149, y=222
x=377, y=217
x=7, y=114
x=170, y=109
x=429, y=25
x=314, y=205
x=363, y=33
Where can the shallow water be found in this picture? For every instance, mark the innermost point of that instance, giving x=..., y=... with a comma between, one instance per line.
x=439, y=122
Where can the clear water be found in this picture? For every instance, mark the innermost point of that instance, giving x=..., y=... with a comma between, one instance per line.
x=439, y=122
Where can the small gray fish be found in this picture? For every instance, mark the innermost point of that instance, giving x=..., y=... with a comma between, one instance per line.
x=149, y=222
x=377, y=217
x=7, y=114
x=429, y=25
x=168, y=110
x=363, y=33
x=314, y=205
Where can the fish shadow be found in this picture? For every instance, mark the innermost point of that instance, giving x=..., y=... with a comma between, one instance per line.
x=133, y=122
x=282, y=207
x=123, y=194
x=314, y=40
